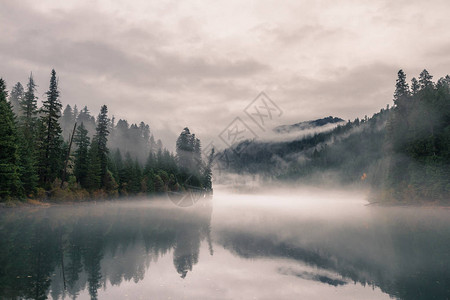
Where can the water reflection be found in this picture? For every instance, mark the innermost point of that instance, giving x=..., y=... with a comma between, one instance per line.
x=82, y=251
x=403, y=251
x=324, y=278
x=68, y=250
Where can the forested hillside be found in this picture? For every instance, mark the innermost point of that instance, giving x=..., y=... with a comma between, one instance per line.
x=307, y=125
x=402, y=152
x=348, y=149
x=418, y=140
x=71, y=155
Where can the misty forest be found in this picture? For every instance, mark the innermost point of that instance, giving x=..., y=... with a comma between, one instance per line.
x=50, y=155
x=401, y=152
x=70, y=155
x=224, y=150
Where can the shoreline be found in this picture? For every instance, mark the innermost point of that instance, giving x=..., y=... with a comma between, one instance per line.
x=415, y=204
x=32, y=203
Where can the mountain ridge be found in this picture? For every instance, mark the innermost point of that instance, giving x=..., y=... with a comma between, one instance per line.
x=282, y=129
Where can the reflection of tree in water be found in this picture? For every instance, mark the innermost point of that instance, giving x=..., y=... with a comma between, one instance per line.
x=92, y=253
x=187, y=243
x=75, y=265
x=186, y=250
x=69, y=250
x=26, y=258
x=41, y=253
x=408, y=258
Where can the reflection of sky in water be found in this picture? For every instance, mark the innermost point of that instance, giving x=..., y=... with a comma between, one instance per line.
x=225, y=276
x=301, y=244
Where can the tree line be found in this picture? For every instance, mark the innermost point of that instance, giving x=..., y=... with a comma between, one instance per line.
x=69, y=155
x=402, y=152
x=418, y=139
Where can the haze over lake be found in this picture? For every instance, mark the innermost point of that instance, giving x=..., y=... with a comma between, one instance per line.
x=283, y=244
x=224, y=149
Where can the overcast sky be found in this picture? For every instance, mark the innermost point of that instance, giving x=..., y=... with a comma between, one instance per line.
x=200, y=63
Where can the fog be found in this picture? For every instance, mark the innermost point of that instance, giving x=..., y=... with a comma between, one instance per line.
x=276, y=242
x=272, y=136
x=201, y=149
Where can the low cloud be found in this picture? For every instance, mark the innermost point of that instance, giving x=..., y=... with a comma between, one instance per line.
x=175, y=64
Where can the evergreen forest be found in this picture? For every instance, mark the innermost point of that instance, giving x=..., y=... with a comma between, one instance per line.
x=48, y=152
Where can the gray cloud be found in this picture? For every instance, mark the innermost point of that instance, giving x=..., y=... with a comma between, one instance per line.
x=306, y=34
x=197, y=64
x=349, y=93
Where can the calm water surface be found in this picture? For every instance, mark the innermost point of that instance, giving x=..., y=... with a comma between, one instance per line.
x=296, y=244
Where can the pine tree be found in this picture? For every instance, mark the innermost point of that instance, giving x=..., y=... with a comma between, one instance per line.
x=135, y=184
x=189, y=158
x=425, y=79
x=50, y=163
x=185, y=149
x=27, y=138
x=102, y=140
x=170, y=162
x=150, y=164
x=111, y=129
x=27, y=164
x=93, y=177
x=82, y=142
x=197, y=155
x=152, y=144
x=89, y=121
x=75, y=113
x=29, y=110
x=126, y=175
x=207, y=175
x=67, y=121
x=9, y=176
x=117, y=164
x=144, y=130
x=401, y=91
x=16, y=97
x=414, y=86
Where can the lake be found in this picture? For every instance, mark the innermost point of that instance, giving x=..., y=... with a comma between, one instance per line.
x=280, y=244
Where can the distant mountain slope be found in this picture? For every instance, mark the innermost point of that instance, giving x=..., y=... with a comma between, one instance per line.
x=402, y=153
x=351, y=146
x=307, y=125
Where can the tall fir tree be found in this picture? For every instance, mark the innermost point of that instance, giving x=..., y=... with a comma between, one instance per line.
x=198, y=163
x=67, y=122
x=401, y=92
x=89, y=121
x=27, y=163
x=82, y=143
x=75, y=113
x=93, y=176
x=188, y=158
x=425, y=79
x=29, y=110
x=126, y=175
x=117, y=164
x=101, y=138
x=415, y=86
x=16, y=97
x=185, y=149
x=50, y=163
x=27, y=138
x=10, y=185
x=207, y=174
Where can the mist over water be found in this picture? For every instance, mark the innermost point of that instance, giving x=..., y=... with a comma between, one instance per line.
x=302, y=243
